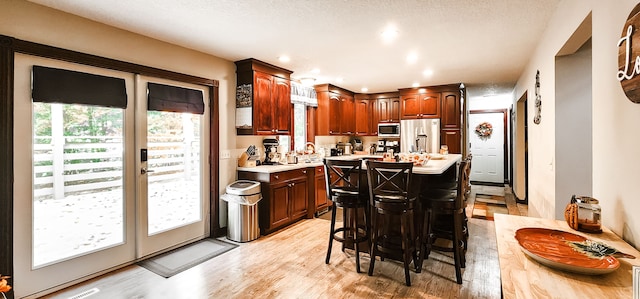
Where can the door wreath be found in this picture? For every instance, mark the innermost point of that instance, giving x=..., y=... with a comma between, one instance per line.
x=484, y=130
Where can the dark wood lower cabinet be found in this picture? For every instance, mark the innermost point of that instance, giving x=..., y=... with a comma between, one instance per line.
x=453, y=139
x=320, y=190
x=285, y=197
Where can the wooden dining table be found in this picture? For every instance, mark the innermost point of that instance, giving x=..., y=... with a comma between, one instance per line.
x=524, y=277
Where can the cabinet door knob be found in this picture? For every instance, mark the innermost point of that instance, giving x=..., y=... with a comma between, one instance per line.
x=276, y=177
x=304, y=171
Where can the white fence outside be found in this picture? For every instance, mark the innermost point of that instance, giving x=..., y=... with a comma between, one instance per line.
x=92, y=163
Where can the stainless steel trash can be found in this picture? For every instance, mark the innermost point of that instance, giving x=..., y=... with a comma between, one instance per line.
x=242, y=198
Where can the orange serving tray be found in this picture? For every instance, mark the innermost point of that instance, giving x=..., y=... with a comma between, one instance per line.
x=550, y=247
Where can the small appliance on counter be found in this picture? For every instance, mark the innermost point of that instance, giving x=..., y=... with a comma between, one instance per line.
x=357, y=144
x=347, y=148
x=385, y=145
x=271, y=155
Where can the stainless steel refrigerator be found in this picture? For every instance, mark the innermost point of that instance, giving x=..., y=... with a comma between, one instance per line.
x=420, y=135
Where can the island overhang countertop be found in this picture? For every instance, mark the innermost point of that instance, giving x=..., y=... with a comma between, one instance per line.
x=433, y=166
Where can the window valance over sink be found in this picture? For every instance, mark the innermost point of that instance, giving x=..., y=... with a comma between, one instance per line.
x=301, y=94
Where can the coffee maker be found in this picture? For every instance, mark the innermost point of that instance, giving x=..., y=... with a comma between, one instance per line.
x=271, y=155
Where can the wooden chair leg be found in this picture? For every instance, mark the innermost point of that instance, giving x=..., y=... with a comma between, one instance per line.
x=457, y=249
x=354, y=228
x=405, y=247
x=374, y=239
x=331, y=233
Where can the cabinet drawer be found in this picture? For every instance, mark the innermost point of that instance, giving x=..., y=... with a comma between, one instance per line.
x=283, y=176
x=319, y=171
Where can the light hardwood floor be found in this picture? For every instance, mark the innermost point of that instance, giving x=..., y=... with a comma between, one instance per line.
x=290, y=264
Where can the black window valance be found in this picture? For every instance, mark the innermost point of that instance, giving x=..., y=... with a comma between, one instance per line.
x=51, y=85
x=174, y=99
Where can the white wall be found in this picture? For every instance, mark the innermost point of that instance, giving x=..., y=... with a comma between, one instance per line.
x=615, y=119
x=573, y=127
x=35, y=23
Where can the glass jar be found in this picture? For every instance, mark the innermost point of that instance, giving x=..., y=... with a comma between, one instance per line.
x=588, y=214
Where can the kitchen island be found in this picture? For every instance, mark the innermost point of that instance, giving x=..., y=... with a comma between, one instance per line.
x=295, y=191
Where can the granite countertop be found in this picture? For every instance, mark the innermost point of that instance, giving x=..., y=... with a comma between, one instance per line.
x=432, y=167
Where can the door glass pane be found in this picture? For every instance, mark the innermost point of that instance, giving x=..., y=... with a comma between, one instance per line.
x=173, y=188
x=77, y=180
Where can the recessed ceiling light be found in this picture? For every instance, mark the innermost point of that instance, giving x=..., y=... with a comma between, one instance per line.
x=315, y=70
x=412, y=57
x=415, y=84
x=364, y=89
x=284, y=58
x=389, y=34
x=427, y=72
x=339, y=79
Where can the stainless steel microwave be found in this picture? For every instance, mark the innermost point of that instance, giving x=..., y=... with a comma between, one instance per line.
x=389, y=130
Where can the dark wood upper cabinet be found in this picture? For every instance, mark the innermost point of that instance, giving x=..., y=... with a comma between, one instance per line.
x=451, y=113
x=266, y=100
x=336, y=111
x=364, y=116
x=420, y=105
x=388, y=109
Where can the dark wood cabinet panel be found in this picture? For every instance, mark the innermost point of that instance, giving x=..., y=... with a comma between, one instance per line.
x=348, y=115
x=282, y=108
x=299, y=197
x=320, y=189
x=453, y=139
x=420, y=105
x=363, y=117
x=336, y=111
x=280, y=214
x=388, y=110
x=285, y=197
x=270, y=98
x=335, y=108
x=450, y=110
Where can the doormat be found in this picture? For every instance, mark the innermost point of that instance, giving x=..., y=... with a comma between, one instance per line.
x=183, y=258
x=485, y=205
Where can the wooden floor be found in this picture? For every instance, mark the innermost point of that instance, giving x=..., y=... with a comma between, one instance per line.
x=290, y=264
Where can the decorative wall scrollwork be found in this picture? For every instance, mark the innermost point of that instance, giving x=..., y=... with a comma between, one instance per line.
x=537, y=117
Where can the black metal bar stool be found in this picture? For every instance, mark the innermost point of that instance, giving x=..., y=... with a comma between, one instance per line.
x=390, y=196
x=346, y=188
x=445, y=211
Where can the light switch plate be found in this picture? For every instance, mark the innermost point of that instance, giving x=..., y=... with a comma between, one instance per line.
x=225, y=154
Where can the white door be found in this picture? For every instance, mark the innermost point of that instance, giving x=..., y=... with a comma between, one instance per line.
x=81, y=204
x=172, y=188
x=487, y=148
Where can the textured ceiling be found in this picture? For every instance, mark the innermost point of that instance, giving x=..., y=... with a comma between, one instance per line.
x=476, y=42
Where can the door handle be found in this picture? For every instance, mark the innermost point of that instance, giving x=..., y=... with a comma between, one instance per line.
x=144, y=170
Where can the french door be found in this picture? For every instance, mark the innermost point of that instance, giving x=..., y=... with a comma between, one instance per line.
x=171, y=164
x=85, y=202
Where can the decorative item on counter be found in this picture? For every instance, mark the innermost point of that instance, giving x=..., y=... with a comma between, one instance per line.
x=416, y=158
x=560, y=250
x=583, y=214
x=484, y=130
x=444, y=149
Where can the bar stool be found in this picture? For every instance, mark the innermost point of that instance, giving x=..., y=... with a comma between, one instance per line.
x=445, y=211
x=346, y=188
x=390, y=196
x=451, y=183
